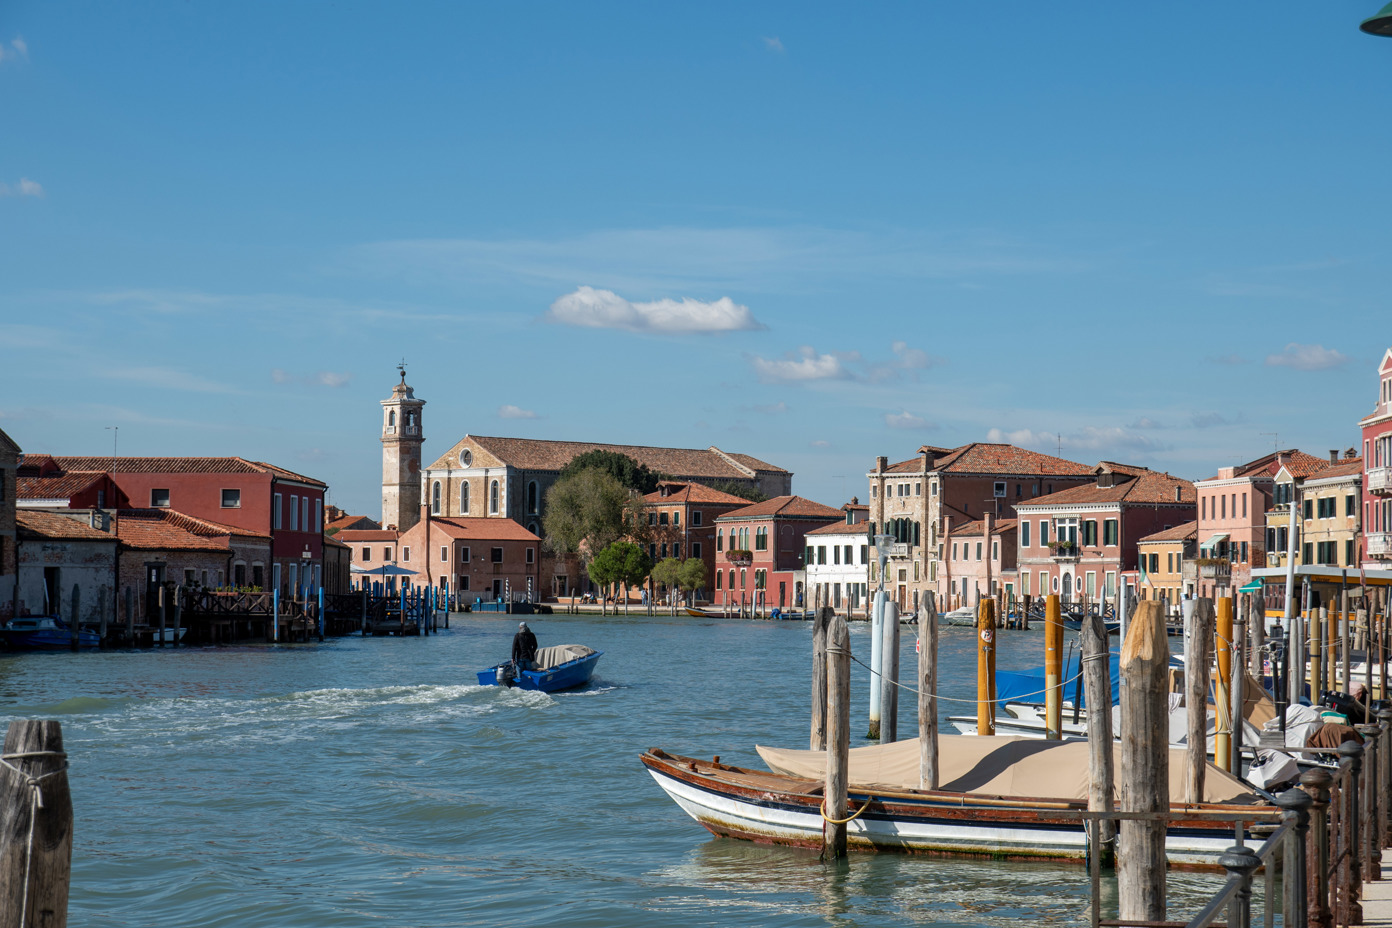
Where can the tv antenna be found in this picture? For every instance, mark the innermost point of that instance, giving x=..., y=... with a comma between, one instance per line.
x=1275, y=440
x=115, y=431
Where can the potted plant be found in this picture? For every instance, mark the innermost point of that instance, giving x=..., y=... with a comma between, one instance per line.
x=740, y=557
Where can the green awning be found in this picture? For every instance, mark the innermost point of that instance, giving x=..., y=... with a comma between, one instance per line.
x=1213, y=540
x=1254, y=587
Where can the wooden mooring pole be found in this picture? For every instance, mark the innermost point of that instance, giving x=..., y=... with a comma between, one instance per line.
x=1053, y=669
x=819, y=677
x=1197, y=659
x=163, y=606
x=74, y=629
x=889, y=675
x=928, y=694
x=36, y=827
x=1097, y=674
x=838, y=739
x=985, y=667
x=130, y=616
x=178, y=613
x=1145, y=757
x=1222, y=696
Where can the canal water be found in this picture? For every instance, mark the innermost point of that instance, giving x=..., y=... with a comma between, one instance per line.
x=370, y=782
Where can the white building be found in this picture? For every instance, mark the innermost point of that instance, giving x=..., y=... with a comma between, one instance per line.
x=837, y=561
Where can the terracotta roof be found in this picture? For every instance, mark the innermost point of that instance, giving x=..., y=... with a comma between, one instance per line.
x=353, y=522
x=1184, y=532
x=545, y=455
x=786, y=507
x=168, y=529
x=1149, y=488
x=64, y=486
x=1347, y=467
x=332, y=542
x=232, y=465
x=841, y=528
x=1004, y=526
x=1298, y=462
x=983, y=458
x=477, y=528
x=693, y=493
x=34, y=524
x=354, y=536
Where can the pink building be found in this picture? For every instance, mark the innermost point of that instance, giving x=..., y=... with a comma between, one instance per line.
x=1077, y=542
x=774, y=533
x=979, y=559
x=1377, y=473
x=1233, y=515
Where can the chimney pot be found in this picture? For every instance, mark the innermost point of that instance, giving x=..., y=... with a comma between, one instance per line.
x=1333, y=455
x=881, y=463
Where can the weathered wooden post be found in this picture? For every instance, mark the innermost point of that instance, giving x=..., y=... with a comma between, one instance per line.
x=74, y=629
x=163, y=607
x=130, y=616
x=1024, y=616
x=275, y=614
x=928, y=694
x=821, y=624
x=101, y=611
x=838, y=739
x=889, y=676
x=985, y=668
x=36, y=833
x=1331, y=652
x=321, y=612
x=1257, y=624
x=362, y=623
x=1223, y=644
x=178, y=612
x=1053, y=669
x=1316, y=782
x=1097, y=673
x=1145, y=757
x=1196, y=663
x=1239, y=688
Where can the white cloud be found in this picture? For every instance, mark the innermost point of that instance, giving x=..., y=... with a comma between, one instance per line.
x=774, y=409
x=18, y=49
x=1307, y=358
x=1091, y=438
x=819, y=443
x=605, y=309
x=322, y=378
x=515, y=412
x=333, y=379
x=25, y=188
x=282, y=376
x=803, y=365
x=1209, y=420
x=773, y=44
x=905, y=359
x=166, y=378
x=1145, y=422
x=905, y=420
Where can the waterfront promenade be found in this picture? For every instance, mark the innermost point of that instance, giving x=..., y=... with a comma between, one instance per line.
x=1377, y=898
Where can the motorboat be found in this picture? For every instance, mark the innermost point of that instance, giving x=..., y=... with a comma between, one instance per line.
x=560, y=667
x=44, y=633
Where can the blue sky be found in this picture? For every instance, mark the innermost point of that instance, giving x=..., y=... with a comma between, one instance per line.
x=811, y=233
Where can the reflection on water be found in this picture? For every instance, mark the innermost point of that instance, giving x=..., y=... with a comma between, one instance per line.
x=371, y=782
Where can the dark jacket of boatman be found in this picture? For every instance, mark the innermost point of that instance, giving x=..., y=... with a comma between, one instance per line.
x=524, y=645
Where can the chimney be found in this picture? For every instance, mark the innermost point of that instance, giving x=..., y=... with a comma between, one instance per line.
x=1333, y=455
x=855, y=500
x=881, y=463
x=1177, y=492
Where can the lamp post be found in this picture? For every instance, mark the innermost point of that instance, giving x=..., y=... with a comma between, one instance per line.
x=882, y=543
x=1379, y=24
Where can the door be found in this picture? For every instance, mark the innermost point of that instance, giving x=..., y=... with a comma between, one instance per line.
x=1067, y=587
x=497, y=588
x=154, y=579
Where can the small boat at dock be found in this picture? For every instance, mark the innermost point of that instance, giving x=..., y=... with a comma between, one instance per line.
x=712, y=612
x=1006, y=798
x=44, y=633
x=561, y=667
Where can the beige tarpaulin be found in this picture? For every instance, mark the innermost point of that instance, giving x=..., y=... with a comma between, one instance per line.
x=1026, y=768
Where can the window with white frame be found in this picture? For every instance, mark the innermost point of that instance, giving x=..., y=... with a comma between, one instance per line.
x=232, y=499
x=294, y=513
x=464, y=555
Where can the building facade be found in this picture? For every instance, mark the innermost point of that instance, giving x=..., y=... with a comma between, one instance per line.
x=402, y=437
x=1377, y=473
x=912, y=500
x=163, y=548
x=681, y=521
x=837, y=562
x=760, y=551
x=1162, y=559
x=489, y=558
x=1078, y=542
x=57, y=554
x=980, y=559
x=9, y=552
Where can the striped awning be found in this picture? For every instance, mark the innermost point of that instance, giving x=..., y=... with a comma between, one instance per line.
x=1213, y=540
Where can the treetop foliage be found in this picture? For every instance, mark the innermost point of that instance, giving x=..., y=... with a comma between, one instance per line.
x=621, y=467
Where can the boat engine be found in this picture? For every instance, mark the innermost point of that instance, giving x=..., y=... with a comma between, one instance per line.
x=506, y=673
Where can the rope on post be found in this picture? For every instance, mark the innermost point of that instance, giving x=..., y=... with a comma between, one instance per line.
x=35, y=804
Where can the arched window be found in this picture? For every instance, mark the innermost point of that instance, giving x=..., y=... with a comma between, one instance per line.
x=720, y=539
x=719, y=578
x=435, y=498
x=493, y=497
x=534, y=529
x=464, y=498
x=391, y=418
x=732, y=578
x=532, y=497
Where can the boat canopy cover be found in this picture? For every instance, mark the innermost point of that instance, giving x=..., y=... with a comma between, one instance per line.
x=556, y=655
x=1028, y=685
x=1022, y=768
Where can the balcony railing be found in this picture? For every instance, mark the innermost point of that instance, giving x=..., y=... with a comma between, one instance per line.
x=1065, y=552
x=1380, y=481
x=1379, y=544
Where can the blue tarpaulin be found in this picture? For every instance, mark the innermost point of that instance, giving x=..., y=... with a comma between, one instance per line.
x=1028, y=685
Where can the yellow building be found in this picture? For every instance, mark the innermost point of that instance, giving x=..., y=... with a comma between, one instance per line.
x=1329, y=523
x=1162, y=558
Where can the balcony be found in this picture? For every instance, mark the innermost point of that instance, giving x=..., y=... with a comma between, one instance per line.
x=895, y=552
x=1065, y=553
x=1380, y=481
x=1379, y=544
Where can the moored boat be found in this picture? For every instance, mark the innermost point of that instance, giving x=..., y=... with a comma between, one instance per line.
x=560, y=667
x=712, y=612
x=1003, y=797
x=44, y=633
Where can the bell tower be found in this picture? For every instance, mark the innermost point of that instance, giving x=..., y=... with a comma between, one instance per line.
x=401, y=455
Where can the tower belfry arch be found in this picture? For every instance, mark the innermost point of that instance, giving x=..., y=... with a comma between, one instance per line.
x=402, y=436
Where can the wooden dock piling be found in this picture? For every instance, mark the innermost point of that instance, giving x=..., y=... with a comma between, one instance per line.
x=75, y=627
x=130, y=616
x=178, y=614
x=1222, y=696
x=838, y=739
x=36, y=840
x=889, y=675
x=1197, y=660
x=163, y=606
x=1145, y=758
x=1053, y=668
x=1097, y=674
x=820, y=626
x=928, y=694
x=101, y=611
x=985, y=667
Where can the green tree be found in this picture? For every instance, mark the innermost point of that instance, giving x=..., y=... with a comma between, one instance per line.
x=692, y=576
x=668, y=573
x=620, y=562
x=585, y=513
x=617, y=465
x=753, y=494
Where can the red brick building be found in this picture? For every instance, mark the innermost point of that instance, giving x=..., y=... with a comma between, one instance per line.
x=161, y=546
x=774, y=533
x=1078, y=541
x=250, y=495
x=490, y=558
x=681, y=519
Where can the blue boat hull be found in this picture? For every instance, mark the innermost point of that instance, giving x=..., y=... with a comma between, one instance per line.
x=562, y=677
x=44, y=635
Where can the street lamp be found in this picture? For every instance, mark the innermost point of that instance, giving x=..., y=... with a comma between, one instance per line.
x=882, y=543
x=1380, y=24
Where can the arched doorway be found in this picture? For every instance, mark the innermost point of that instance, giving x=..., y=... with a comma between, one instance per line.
x=1067, y=587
